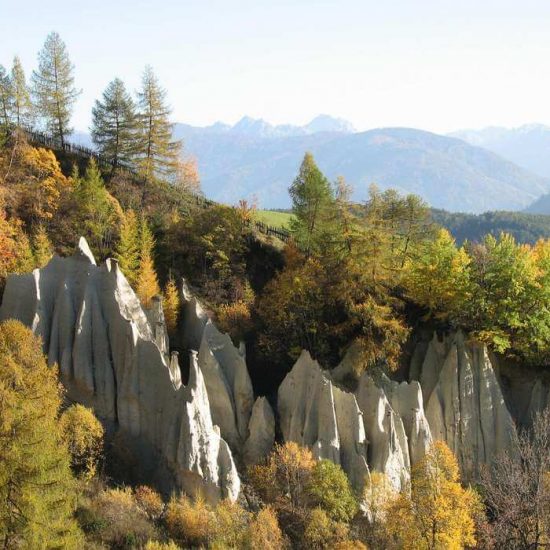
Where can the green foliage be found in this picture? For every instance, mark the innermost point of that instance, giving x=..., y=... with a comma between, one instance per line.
x=53, y=87
x=524, y=227
x=128, y=248
x=83, y=433
x=98, y=215
x=22, y=106
x=114, y=125
x=439, y=277
x=157, y=151
x=312, y=200
x=147, y=285
x=37, y=491
x=330, y=489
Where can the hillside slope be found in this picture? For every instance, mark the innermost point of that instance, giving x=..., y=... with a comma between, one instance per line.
x=446, y=172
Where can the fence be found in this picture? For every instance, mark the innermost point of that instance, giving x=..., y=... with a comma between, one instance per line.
x=45, y=140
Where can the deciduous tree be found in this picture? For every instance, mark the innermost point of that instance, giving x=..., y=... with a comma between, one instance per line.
x=53, y=87
x=22, y=106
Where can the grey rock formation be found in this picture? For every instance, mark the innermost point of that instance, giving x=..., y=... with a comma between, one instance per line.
x=228, y=385
x=93, y=326
x=406, y=400
x=315, y=413
x=261, y=432
x=465, y=406
x=194, y=318
x=388, y=444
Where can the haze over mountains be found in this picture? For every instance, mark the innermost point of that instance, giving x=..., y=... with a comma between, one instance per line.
x=254, y=158
x=468, y=171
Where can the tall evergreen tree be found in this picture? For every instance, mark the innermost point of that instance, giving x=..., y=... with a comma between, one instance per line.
x=312, y=202
x=158, y=152
x=128, y=250
x=114, y=125
x=37, y=490
x=22, y=105
x=147, y=282
x=6, y=101
x=53, y=87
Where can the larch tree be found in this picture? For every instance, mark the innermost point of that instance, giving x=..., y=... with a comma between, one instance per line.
x=6, y=100
x=312, y=202
x=147, y=281
x=37, y=489
x=22, y=105
x=53, y=87
x=438, y=512
x=41, y=246
x=128, y=249
x=171, y=305
x=158, y=151
x=114, y=125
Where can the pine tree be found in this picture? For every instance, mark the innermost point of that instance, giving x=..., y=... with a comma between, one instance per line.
x=114, y=125
x=42, y=247
x=53, y=87
x=312, y=200
x=6, y=101
x=147, y=282
x=37, y=489
x=171, y=305
x=128, y=248
x=158, y=152
x=22, y=106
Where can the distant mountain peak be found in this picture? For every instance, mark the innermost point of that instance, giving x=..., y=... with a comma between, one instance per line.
x=327, y=123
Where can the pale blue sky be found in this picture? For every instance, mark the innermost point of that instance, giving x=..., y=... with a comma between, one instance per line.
x=434, y=64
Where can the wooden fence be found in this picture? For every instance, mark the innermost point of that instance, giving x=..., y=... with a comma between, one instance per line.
x=44, y=140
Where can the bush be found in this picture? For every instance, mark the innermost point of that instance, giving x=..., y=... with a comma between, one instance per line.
x=84, y=435
x=149, y=501
x=156, y=545
x=235, y=319
x=322, y=532
x=187, y=522
x=329, y=488
x=230, y=525
x=264, y=531
x=112, y=517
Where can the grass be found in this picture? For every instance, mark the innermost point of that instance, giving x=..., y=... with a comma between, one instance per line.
x=275, y=219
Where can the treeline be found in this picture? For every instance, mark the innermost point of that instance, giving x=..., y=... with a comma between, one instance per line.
x=524, y=227
x=134, y=133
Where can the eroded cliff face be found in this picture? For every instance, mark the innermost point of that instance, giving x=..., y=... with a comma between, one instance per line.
x=115, y=356
x=111, y=358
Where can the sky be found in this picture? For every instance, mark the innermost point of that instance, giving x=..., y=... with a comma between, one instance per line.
x=436, y=65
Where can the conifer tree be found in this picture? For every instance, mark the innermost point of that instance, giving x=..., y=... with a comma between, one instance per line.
x=128, y=250
x=6, y=101
x=53, y=87
x=22, y=106
x=42, y=247
x=312, y=200
x=114, y=125
x=158, y=152
x=37, y=490
x=147, y=283
x=171, y=304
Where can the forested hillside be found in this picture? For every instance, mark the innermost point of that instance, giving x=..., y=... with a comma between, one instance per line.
x=361, y=281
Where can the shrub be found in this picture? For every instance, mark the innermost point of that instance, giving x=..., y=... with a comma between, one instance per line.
x=187, y=522
x=323, y=532
x=149, y=501
x=84, y=435
x=330, y=489
x=230, y=525
x=264, y=531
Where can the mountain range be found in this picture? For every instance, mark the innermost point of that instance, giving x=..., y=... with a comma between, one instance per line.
x=255, y=159
x=468, y=171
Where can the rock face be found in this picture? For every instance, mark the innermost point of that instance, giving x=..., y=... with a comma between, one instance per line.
x=315, y=413
x=228, y=384
x=110, y=357
x=262, y=432
x=465, y=406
